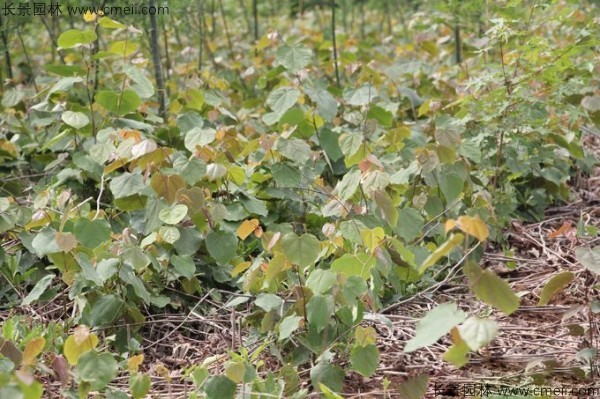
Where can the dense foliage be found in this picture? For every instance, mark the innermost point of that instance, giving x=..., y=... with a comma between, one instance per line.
x=312, y=190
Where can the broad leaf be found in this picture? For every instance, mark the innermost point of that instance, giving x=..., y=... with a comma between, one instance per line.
x=221, y=245
x=354, y=265
x=329, y=375
x=478, y=332
x=302, y=251
x=555, y=285
x=38, y=290
x=105, y=310
x=589, y=258
x=437, y=323
x=319, y=310
x=364, y=359
x=490, y=288
x=97, y=369
x=293, y=58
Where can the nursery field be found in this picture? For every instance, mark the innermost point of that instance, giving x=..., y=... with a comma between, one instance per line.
x=299, y=199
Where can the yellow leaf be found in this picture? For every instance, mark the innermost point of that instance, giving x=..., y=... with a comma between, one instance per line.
x=32, y=350
x=72, y=350
x=424, y=108
x=263, y=42
x=240, y=268
x=247, y=227
x=473, y=226
x=450, y=224
x=372, y=238
x=134, y=362
x=89, y=16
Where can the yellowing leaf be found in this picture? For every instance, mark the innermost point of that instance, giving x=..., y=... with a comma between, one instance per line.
x=32, y=350
x=240, y=268
x=556, y=284
x=134, y=362
x=372, y=238
x=73, y=351
x=424, y=108
x=443, y=250
x=450, y=224
x=472, y=226
x=247, y=227
x=65, y=241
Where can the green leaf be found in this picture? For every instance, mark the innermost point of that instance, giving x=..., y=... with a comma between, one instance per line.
x=89, y=272
x=385, y=118
x=38, y=290
x=414, y=388
x=386, y=206
x=127, y=275
x=139, y=384
x=409, y=225
x=108, y=23
x=293, y=58
x=221, y=245
x=219, y=387
x=199, y=136
x=142, y=85
x=478, y=332
x=348, y=185
x=451, y=184
x=97, y=369
x=302, y=251
x=294, y=149
x=75, y=119
x=74, y=37
x=327, y=105
x=92, y=233
x=361, y=96
x=319, y=310
x=173, y=214
x=288, y=325
x=556, y=284
x=457, y=354
x=364, y=359
x=589, y=258
x=45, y=242
x=437, y=323
x=169, y=234
x=354, y=265
x=123, y=48
x=321, y=281
x=329, y=142
x=184, y=266
x=191, y=169
x=329, y=375
x=119, y=103
x=268, y=302
x=127, y=184
x=350, y=143
x=490, y=288
x=282, y=99
x=105, y=310
x=286, y=175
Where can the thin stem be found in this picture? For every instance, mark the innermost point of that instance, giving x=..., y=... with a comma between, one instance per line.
x=156, y=61
x=335, y=56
